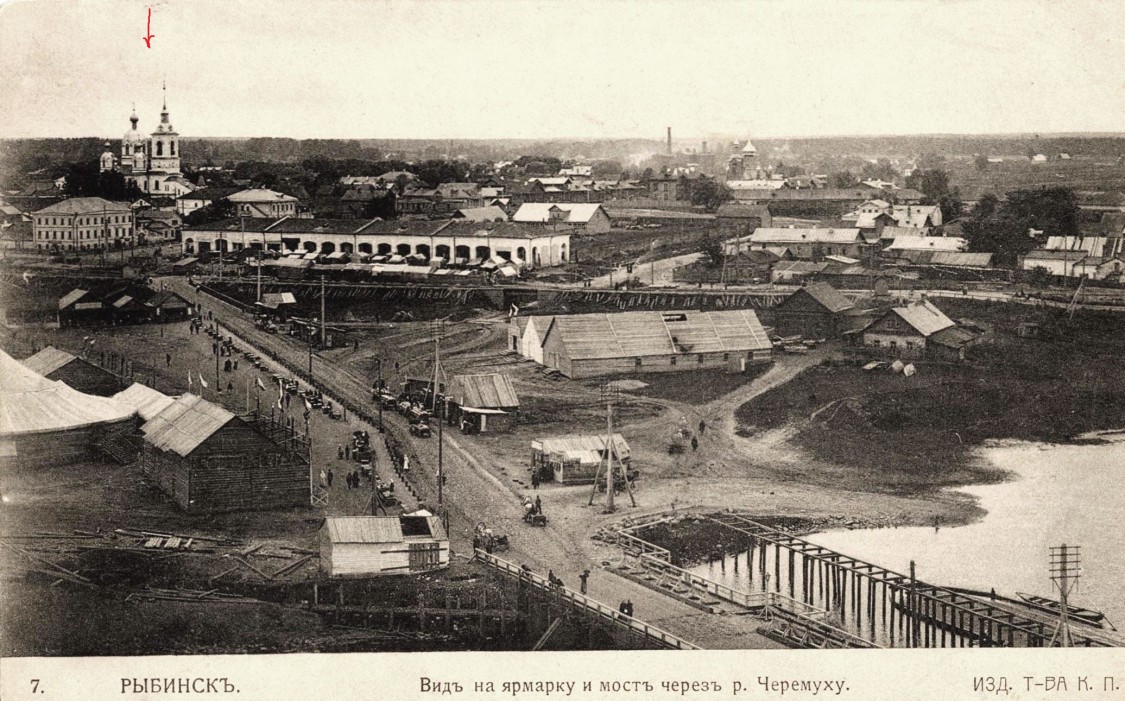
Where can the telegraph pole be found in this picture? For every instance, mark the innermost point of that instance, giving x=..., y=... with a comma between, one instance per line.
x=610, y=394
x=323, y=342
x=1065, y=571
x=438, y=329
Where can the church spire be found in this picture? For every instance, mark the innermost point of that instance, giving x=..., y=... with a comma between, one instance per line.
x=164, y=110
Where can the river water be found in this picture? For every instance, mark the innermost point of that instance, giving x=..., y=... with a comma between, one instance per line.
x=1072, y=494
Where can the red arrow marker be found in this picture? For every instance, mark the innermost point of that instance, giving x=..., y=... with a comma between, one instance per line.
x=148, y=28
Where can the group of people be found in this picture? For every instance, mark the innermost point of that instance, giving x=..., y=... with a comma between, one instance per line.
x=626, y=607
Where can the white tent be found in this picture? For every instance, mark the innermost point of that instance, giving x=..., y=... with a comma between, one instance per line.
x=32, y=404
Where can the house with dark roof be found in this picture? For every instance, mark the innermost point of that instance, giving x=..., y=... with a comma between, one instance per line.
x=916, y=330
x=815, y=311
x=210, y=461
x=83, y=223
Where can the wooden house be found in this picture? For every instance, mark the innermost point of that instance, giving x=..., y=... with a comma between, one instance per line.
x=814, y=311
x=916, y=330
x=78, y=373
x=483, y=403
x=209, y=461
x=167, y=305
x=589, y=345
x=369, y=546
x=574, y=459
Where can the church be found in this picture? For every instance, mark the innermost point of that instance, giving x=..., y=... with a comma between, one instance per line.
x=153, y=163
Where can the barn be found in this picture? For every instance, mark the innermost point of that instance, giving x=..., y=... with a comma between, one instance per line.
x=368, y=546
x=531, y=344
x=483, y=403
x=77, y=373
x=46, y=422
x=814, y=311
x=210, y=461
x=574, y=459
x=590, y=345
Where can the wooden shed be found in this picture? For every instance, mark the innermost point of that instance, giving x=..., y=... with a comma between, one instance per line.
x=167, y=305
x=210, y=461
x=814, y=311
x=83, y=308
x=371, y=546
x=77, y=373
x=574, y=459
x=483, y=403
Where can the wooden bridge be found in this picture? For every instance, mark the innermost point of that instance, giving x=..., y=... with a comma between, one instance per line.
x=877, y=604
x=594, y=612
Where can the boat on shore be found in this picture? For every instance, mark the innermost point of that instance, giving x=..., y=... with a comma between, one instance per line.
x=1042, y=603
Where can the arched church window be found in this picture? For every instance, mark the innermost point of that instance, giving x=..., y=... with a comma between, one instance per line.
x=172, y=148
x=159, y=148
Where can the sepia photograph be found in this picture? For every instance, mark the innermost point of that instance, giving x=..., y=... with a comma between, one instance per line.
x=552, y=334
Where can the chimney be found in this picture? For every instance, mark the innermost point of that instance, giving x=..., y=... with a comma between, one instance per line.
x=669, y=141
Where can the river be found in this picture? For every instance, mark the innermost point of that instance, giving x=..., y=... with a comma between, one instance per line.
x=1072, y=494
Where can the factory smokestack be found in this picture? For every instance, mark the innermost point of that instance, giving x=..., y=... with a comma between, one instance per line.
x=669, y=141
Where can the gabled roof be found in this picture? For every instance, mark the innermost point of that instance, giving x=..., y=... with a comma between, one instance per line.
x=483, y=391
x=541, y=212
x=185, y=424
x=273, y=300
x=826, y=296
x=146, y=401
x=923, y=317
x=71, y=297
x=479, y=214
x=640, y=334
x=542, y=323
x=48, y=360
x=953, y=337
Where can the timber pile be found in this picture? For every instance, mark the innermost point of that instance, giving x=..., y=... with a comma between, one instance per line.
x=157, y=541
x=191, y=595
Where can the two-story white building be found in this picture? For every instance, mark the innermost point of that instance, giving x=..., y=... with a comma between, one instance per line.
x=83, y=224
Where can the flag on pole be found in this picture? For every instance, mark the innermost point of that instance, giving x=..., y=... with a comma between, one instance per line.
x=189, y=385
x=259, y=381
x=280, y=394
x=202, y=381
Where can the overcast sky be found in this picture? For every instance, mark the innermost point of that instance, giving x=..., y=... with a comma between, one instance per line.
x=520, y=69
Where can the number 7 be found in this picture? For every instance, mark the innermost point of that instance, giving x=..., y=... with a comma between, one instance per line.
x=34, y=686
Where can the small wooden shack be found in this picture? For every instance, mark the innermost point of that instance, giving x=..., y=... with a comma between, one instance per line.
x=83, y=308
x=167, y=305
x=371, y=546
x=211, y=461
x=77, y=373
x=574, y=459
x=484, y=403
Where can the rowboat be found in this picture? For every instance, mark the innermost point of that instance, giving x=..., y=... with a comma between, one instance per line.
x=1042, y=603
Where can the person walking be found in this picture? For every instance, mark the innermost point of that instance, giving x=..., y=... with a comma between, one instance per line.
x=582, y=578
x=702, y=426
x=694, y=443
x=323, y=480
x=330, y=476
x=538, y=505
x=629, y=607
x=167, y=360
x=339, y=452
x=535, y=478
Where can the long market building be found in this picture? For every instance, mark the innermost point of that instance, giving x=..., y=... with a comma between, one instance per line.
x=531, y=245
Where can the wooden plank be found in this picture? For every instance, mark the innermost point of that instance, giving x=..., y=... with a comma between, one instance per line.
x=153, y=542
x=172, y=543
x=293, y=566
